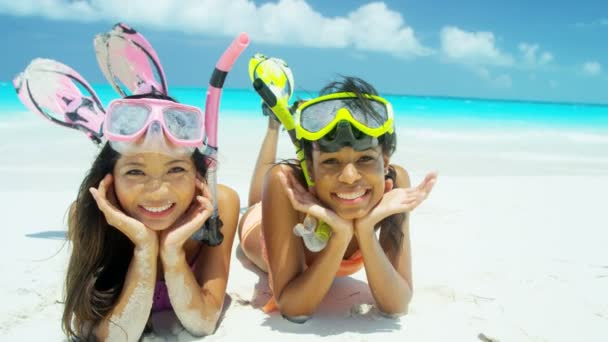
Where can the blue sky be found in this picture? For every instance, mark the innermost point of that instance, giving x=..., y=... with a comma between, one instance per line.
x=529, y=50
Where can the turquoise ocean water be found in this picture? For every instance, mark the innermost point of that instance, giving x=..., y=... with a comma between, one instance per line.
x=410, y=111
x=456, y=136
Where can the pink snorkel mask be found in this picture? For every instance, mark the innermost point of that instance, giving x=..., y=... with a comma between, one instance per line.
x=137, y=125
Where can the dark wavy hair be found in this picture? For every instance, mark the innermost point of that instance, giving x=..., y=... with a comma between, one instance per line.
x=101, y=254
x=387, y=141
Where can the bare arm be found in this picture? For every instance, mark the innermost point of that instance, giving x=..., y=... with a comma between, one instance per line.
x=198, y=307
x=128, y=317
x=298, y=290
x=266, y=159
x=389, y=267
x=389, y=275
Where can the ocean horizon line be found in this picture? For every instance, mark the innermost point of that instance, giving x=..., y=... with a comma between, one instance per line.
x=5, y=83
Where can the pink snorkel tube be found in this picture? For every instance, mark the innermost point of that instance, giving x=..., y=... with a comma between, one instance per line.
x=211, y=232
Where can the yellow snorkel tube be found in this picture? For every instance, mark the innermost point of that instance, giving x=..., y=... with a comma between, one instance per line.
x=273, y=80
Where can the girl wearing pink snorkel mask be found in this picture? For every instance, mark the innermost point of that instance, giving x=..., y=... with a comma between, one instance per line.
x=150, y=231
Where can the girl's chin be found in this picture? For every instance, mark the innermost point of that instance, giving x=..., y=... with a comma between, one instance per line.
x=155, y=225
x=157, y=228
x=352, y=214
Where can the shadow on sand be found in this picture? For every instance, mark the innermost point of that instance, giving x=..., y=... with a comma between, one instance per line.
x=49, y=234
x=348, y=299
x=166, y=326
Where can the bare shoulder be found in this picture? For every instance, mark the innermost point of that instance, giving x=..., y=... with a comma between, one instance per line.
x=273, y=175
x=227, y=194
x=273, y=187
x=276, y=207
x=402, y=177
x=228, y=205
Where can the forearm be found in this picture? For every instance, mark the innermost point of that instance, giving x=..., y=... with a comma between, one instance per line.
x=390, y=290
x=197, y=310
x=128, y=318
x=302, y=295
x=266, y=159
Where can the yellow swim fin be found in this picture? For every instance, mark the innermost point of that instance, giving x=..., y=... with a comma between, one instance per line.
x=273, y=81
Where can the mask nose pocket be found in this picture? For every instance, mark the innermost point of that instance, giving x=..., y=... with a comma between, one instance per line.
x=155, y=128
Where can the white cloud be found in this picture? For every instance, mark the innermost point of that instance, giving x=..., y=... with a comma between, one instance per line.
x=477, y=51
x=375, y=27
x=371, y=27
x=473, y=48
x=501, y=81
x=532, y=55
x=596, y=23
x=592, y=68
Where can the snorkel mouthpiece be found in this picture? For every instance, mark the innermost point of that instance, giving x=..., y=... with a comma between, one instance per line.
x=213, y=237
x=344, y=135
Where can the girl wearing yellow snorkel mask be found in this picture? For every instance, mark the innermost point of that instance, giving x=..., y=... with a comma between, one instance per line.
x=316, y=218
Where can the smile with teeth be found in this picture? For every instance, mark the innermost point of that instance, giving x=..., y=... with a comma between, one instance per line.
x=351, y=195
x=158, y=209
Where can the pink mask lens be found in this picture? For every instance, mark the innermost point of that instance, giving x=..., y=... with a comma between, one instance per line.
x=129, y=119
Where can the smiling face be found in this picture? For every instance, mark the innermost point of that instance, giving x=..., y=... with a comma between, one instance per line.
x=349, y=182
x=154, y=188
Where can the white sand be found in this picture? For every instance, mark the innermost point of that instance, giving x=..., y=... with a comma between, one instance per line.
x=511, y=244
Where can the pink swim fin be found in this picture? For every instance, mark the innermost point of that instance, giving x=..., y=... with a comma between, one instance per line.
x=55, y=91
x=129, y=62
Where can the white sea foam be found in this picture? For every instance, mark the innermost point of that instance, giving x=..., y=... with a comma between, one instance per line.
x=558, y=158
x=506, y=135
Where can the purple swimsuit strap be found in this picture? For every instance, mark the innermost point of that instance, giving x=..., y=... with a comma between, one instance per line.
x=161, y=301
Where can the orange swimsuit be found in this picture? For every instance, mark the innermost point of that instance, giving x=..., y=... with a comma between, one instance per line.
x=254, y=219
x=347, y=267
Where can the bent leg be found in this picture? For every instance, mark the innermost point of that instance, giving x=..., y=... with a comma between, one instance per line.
x=250, y=235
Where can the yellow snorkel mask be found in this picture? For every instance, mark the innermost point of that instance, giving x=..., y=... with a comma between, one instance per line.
x=340, y=119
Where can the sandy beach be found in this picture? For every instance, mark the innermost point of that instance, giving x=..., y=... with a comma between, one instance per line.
x=510, y=246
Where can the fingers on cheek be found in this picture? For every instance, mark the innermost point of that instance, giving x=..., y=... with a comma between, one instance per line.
x=204, y=202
